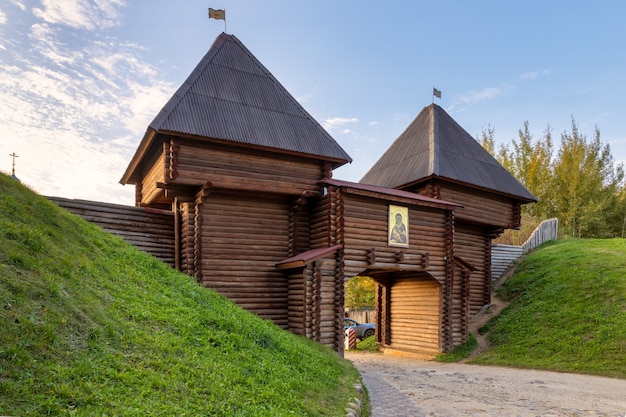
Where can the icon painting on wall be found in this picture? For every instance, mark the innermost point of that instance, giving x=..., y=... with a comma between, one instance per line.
x=398, y=226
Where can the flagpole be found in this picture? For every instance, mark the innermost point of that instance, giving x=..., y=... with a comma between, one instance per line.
x=436, y=93
x=225, y=20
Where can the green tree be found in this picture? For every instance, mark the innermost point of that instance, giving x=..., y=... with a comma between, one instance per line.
x=487, y=140
x=360, y=293
x=586, y=187
x=582, y=185
x=530, y=162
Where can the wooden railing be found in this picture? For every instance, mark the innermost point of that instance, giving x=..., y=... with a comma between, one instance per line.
x=546, y=231
x=502, y=256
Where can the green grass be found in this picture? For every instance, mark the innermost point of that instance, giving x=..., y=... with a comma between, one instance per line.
x=567, y=311
x=367, y=345
x=460, y=352
x=92, y=326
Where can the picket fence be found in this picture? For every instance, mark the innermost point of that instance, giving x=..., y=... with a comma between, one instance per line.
x=502, y=256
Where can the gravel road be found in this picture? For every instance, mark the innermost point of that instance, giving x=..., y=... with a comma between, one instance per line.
x=403, y=386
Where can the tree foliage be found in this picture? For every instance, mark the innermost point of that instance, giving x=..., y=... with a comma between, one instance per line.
x=581, y=185
x=360, y=293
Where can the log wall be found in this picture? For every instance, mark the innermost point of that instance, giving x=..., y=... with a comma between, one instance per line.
x=186, y=237
x=459, y=326
x=366, y=229
x=323, y=221
x=243, y=169
x=152, y=174
x=150, y=230
x=480, y=207
x=472, y=245
x=297, y=294
x=243, y=236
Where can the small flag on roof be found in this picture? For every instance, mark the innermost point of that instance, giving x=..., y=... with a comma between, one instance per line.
x=217, y=14
x=436, y=93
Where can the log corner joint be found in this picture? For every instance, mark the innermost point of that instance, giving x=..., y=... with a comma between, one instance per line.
x=204, y=192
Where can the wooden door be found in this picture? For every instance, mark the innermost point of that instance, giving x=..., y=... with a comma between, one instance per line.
x=415, y=315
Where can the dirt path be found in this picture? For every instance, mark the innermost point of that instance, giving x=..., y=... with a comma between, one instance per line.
x=426, y=388
x=479, y=320
x=408, y=387
x=496, y=306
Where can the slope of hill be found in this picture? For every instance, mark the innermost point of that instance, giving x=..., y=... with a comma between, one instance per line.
x=567, y=310
x=92, y=326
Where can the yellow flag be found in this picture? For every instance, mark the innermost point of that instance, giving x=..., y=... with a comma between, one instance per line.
x=217, y=14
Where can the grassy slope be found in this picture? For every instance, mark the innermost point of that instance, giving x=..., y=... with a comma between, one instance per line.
x=92, y=326
x=568, y=310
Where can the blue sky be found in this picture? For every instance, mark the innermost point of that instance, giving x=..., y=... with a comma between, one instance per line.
x=81, y=80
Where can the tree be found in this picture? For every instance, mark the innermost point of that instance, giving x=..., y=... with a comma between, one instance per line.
x=582, y=185
x=530, y=162
x=586, y=185
x=360, y=293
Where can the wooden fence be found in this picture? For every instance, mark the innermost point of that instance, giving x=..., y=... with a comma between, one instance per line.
x=502, y=256
x=362, y=316
x=546, y=231
x=150, y=230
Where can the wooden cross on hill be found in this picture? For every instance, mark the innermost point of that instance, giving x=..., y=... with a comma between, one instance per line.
x=13, y=166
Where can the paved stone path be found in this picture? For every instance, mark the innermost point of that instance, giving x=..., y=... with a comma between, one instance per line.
x=386, y=401
x=407, y=387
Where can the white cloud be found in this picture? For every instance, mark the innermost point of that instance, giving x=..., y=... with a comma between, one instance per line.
x=19, y=4
x=3, y=17
x=80, y=14
x=75, y=113
x=333, y=123
x=533, y=75
x=460, y=102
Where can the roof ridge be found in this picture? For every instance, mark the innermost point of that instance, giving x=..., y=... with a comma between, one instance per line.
x=433, y=145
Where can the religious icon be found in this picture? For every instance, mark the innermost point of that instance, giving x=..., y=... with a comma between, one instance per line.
x=398, y=226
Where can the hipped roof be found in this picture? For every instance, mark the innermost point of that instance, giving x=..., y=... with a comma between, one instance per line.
x=230, y=96
x=434, y=145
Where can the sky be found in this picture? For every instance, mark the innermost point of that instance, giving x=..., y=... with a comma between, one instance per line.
x=81, y=80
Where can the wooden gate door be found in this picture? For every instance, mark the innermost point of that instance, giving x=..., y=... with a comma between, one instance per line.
x=415, y=315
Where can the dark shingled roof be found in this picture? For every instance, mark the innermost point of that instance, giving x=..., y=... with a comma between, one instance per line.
x=231, y=96
x=434, y=145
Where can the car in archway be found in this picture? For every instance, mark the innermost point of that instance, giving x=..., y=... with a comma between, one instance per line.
x=363, y=330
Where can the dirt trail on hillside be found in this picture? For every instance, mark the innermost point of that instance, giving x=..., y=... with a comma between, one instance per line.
x=487, y=313
x=496, y=306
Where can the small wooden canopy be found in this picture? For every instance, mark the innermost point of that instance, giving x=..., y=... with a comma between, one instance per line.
x=435, y=146
x=307, y=257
